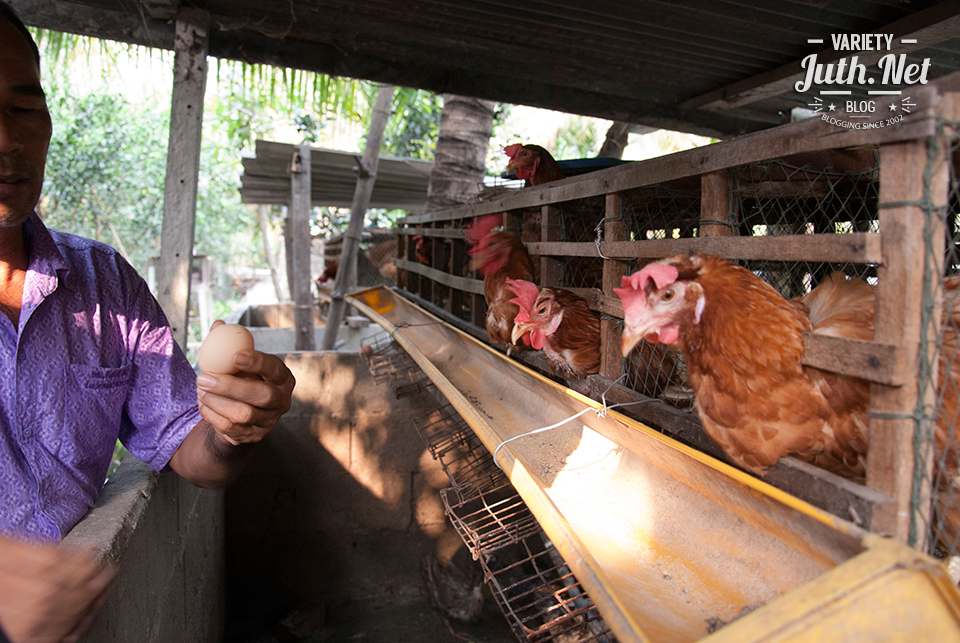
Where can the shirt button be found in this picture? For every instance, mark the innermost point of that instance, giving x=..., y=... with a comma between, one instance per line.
x=27, y=433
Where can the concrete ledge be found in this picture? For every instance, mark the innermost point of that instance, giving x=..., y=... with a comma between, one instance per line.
x=166, y=538
x=110, y=524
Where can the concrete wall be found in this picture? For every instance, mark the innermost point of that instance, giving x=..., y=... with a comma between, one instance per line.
x=338, y=504
x=166, y=536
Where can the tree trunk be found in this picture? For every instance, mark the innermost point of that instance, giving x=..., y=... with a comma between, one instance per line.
x=461, y=155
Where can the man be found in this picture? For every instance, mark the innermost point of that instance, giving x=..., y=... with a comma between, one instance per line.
x=86, y=357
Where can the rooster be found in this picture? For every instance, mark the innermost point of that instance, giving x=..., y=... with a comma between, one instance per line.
x=533, y=164
x=560, y=323
x=498, y=256
x=743, y=346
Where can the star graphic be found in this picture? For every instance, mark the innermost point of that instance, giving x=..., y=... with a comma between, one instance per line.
x=893, y=107
x=832, y=107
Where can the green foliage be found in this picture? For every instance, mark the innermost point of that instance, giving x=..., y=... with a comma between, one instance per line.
x=412, y=129
x=578, y=139
x=105, y=169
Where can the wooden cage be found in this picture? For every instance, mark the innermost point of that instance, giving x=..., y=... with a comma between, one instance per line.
x=874, y=202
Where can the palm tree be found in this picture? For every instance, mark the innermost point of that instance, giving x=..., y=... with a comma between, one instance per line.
x=459, y=162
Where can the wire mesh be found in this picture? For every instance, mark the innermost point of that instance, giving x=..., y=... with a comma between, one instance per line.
x=390, y=364
x=464, y=459
x=534, y=589
x=935, y=442
x=825, y=193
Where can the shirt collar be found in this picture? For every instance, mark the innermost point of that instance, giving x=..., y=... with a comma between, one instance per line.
x=45, y=257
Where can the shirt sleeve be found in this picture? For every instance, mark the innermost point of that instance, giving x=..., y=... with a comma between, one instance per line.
x=161, y=406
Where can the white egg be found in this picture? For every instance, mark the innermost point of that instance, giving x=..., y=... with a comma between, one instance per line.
x=216, y=352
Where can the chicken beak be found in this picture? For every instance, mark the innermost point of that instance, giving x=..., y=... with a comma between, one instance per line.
x=628, y=340
x=631, y=336
x=519, y=330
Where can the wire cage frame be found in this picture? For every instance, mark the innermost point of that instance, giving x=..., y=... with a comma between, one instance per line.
x=935, y=518
x=450, y=440
x=390, y=364
x=794, y=205
x=531, y=584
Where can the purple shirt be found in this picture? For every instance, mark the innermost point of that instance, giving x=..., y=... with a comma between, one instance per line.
x=93, y=360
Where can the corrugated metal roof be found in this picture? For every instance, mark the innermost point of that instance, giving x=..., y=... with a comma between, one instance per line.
x=400, y=184
x=647, y=62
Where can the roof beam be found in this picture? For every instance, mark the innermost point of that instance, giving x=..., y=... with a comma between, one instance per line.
x=928, y=27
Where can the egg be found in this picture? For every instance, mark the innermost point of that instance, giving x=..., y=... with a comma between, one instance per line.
x=216, y=352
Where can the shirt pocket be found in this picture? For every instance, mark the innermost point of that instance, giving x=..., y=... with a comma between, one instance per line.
x=93, y=401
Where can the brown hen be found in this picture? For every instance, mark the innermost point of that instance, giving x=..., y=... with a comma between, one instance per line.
x=743, y=346
x=560, y=323
x=498, y=255
x=533, y=164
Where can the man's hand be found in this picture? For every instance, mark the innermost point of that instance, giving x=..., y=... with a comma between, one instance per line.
x=238, y=411
x=244, y=407
x=49, y=594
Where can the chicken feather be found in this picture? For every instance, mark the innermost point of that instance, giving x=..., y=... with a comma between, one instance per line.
x=498, y=255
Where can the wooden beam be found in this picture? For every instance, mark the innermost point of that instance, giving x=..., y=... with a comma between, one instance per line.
x=183, y=164
x=550, y=268
x=613, y=271
x=346, y=277
x=855, y=247
x=714, y=204
x=301, y=283
x=927, y=28
x=465, y=284
x=808, y=135
x=892, y=462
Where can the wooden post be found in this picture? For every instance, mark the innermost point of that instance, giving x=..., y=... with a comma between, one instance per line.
x=458, y=266
x=264, y=219
x=550, y=267
x=613, y=272
x=899, y=301
x=361, y=199
x=301, y=282
x=714, y=204
x=183, y=165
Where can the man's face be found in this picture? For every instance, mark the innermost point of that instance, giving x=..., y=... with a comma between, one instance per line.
x=24, y=128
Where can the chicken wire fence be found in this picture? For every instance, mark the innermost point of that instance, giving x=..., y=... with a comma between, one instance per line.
x=937, y=522
x=823, y=195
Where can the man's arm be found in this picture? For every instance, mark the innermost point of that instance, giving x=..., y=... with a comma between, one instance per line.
x=238, y=411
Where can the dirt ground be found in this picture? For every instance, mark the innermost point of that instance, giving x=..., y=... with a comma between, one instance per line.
x=403, y=619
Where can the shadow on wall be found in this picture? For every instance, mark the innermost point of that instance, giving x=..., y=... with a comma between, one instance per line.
x=338, y=504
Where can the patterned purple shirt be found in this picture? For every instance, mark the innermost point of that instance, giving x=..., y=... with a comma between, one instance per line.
x=93, y=360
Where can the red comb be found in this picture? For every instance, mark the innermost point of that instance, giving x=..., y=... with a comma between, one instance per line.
x=513, y=150
x=478, y=229
x=661, y=274
x=526, y=293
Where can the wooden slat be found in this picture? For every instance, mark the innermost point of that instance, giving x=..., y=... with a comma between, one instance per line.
x=599, y=302
x=808, y=135
x=474, y=286
x=856, y=247
x=872, y=361
x=714, y=204
x=550, y=268
x=444, y=233
x=613, y=272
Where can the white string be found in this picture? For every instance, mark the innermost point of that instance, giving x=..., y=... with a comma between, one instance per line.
x=601, y=412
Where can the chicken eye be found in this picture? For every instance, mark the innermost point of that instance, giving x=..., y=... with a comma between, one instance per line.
x=542, y=311
x=667, y=295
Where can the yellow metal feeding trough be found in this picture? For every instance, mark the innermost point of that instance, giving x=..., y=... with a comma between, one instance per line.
x=672, y=544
